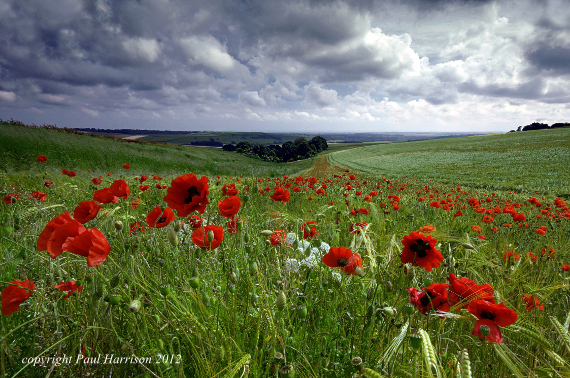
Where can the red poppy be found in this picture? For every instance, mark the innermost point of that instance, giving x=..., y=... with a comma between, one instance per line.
x=187, y=194
x=343, y=258
x=463, y=290
x=229, y=190
x=85, y=211
x=427, y=229
x=105, y=196
x=135, y=226
x=308, y=231
x=232, y=226
x=42, y=158
x=355, y=228
x=143, y=188
x=14, y=294
x=158, y=218
x=476, y=229
x=48, y=183
x=531, y=303
x=56, y=233
x=487, y=219
x=64, y=171
x=229, y=206
x=71, y=173
x=96, y=181
x=12, y=197
x=363, y=211
x=70, y=286
x=157, y=177
x=277, y=237
x=120, y=188
x=91, y=244
x=39, y=196
x=280, y=195
x=126, y=166
x=435, y=297
x=200, y=237
x=566, y=267
x=420, y=251
x=195, y=221
x=143, y=178
x=492, y=315
x=135, y=203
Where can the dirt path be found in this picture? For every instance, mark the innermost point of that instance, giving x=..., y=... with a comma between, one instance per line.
x=323, y=169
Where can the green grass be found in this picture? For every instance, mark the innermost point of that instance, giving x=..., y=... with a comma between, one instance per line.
x=20, y=145
x=524, y=161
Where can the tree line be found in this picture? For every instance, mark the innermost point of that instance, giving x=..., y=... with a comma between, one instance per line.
x=540, y=126
x=298, y=149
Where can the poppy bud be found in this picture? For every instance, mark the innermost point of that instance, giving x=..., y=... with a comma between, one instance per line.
x=370, y=310
x=232, y=288
x=115, y=299
x=194, y=282
x=245, y=198
x=359, y=271
x=416, y=340
x=160, y=344
x=317, y=243
x=177, y=226
x=287, y=371
x=278, y=356
x=485, y=330
x=233, y=278
x=246, y=237
x=427, y=282
x=118, y=225
x=389, y=311
x=281, y=301
x=135, y=305
x=357, y=362
x=308, y=251
x=248, y=248
x=253, y=298
x=302, y=311
x=210, y=236
x=266, y=233
x=409, y=309
x=295, y=244
x=165, y=289
x=113, y=282
x=173, y=238
x=252, y=268
x=206, y=299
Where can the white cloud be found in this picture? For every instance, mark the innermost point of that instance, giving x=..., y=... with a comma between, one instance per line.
x=320, y=96
x=142, y=48
x=207, y=52
x=7, y=96
x=251, y=98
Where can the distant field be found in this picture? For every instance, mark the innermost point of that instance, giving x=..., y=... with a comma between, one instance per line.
x=20, y=146
x=524, y=161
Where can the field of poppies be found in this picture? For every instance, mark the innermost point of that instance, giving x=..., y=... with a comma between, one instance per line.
x=137, y=272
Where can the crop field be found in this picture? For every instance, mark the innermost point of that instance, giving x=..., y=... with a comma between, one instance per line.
x=525, y=161
x=419, y=259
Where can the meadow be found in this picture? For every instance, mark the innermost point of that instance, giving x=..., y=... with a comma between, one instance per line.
x=144, y=262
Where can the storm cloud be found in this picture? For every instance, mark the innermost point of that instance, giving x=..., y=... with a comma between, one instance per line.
x=306, y=65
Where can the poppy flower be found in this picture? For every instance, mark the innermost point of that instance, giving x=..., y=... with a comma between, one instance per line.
x=70, y=286
x=96, y=181
x=531, y=303
x=15, y=294
x=135, y=226
x=566, y=267
x=143, y=188
x=476, y=229
x=64, y=171
x=56, y=233
x=487, y=219
x=143, y=178
x=157, y=177
x=126, y=166
x=232, y=226
x=280, y=195
x=463, y=290
x=85, y=211
x=48, y=183
x=195, y=221
x=363, y=211
x=71, y=173
x=38, y=196
x=12, y=197
x=199, y=237
x=355, y=228
x=158, y=218
x=343, y=258
x=42, y=158
x=434, y=297
x=187, y=194
x=308, y=231
x=427, y=229
x=120, y=188
x=135, y=203
x=105, y=196
x=277, y=237
x=229, y=206
x=492, y=315
x=420, y=251
x=229, y=190
x=92, y=244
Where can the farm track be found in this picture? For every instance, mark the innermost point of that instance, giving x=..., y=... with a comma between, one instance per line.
x=323, y=169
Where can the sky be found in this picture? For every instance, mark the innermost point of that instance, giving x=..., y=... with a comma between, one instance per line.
x=286, y=65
